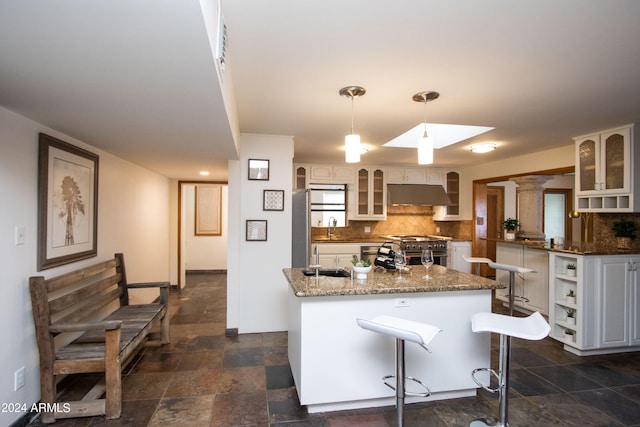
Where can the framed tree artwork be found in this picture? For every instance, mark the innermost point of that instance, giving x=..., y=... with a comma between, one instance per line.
x=67, y=203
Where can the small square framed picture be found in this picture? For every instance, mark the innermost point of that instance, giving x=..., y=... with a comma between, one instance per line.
x=259, y=169
x=256, y=230
x=273, y=200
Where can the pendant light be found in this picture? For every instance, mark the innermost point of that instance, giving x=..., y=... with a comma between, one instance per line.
x=352, y=141
x=425, y=143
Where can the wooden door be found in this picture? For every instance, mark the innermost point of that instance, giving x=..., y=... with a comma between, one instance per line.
x=495, y=218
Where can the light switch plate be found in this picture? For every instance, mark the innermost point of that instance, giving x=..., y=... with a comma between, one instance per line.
x=19, y=235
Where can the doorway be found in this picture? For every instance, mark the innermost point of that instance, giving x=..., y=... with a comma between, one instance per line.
x=199, y=250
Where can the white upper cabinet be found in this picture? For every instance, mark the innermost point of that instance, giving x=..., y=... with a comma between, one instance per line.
x=338, y=174
x=369, y=200
x=451, y=184
x=606, y=179
x=406, y=175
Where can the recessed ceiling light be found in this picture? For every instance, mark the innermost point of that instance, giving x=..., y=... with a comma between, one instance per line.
x=443, y=135
x=204, y=173
x=483, y=148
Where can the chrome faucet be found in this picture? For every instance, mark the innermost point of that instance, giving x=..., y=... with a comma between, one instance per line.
x=332, y=223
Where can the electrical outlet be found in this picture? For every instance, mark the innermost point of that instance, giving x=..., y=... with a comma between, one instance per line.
x=18, y=379
x=402, y=302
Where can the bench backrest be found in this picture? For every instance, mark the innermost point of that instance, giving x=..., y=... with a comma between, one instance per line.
x=77, y=296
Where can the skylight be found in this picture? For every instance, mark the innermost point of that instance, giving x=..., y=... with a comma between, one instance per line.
x=443, y=135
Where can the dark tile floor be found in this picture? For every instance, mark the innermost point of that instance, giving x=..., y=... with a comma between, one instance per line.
x=203, y=378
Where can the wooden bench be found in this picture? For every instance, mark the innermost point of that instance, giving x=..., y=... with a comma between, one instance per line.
x=84, y=324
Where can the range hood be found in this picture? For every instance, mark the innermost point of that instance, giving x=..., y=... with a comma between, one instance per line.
x=417, y=194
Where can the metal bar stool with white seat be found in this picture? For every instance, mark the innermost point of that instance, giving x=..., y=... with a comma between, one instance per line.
x=533, y=327
x=477, y=261
x=402, y=330
x=512, y=269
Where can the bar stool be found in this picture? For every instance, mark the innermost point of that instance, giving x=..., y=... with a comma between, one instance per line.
x=477, y=261
x=533, y=327
x=402, y=330
x=512, y=269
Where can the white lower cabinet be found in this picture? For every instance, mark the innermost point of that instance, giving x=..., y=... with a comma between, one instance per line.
x=607, y=302
x=457, y=252
x=337, y=255
x=531, y=290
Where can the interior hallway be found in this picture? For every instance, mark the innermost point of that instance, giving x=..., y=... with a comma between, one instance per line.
x=203, y=378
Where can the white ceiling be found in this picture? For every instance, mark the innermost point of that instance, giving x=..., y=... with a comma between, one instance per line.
x=137, y=77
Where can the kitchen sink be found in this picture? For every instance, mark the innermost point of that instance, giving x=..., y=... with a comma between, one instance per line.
x=331, y=272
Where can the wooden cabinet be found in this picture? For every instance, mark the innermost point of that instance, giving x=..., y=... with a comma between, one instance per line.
x=339, y=174
x=457, y=252
x=532, y=289
x=606, y=179
x=451, y=184
x=406, y=175
x=607, y=301
x=369, y=200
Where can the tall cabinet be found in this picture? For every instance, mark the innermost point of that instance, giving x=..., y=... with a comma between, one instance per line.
x=606, y=307
x=606, y=175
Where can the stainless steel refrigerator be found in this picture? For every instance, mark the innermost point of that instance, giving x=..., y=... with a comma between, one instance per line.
x=301, y=229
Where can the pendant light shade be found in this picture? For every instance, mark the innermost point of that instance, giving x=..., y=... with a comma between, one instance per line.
x=352, y=148
x=352, y=141
x=425, y=143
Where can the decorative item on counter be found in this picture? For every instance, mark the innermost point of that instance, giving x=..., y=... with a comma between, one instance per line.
x=510, y=227
x=571, y=297
x=571, y=270
x=361, y=267
x=625, y=231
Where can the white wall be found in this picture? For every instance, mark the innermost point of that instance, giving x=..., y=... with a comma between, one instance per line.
x=132, y=218
x=256, y=287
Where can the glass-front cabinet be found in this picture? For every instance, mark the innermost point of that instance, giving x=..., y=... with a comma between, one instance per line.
x=605, y=171
x=370, y=196
x=451, y=184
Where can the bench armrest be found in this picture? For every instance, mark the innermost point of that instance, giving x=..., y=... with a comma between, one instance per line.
x=162, y=286
x=148, y=285
x=105, y=325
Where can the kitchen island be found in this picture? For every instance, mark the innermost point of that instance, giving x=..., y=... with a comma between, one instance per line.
x=336, y=365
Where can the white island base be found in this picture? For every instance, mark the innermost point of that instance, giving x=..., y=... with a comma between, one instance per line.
x=337, y=365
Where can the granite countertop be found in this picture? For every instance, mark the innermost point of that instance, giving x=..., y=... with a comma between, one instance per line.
x=380, y=281
x=576, y=248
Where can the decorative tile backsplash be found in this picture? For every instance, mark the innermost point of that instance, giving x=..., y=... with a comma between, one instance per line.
x=602, y=232
x=402, y=220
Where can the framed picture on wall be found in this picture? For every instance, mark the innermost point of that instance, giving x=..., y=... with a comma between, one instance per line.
x=273, y=200
x=67, y=203
x=256, y=230
x=259, y=169
x=208, y=210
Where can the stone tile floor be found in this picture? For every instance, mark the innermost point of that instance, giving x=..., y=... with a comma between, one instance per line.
x=203, y=378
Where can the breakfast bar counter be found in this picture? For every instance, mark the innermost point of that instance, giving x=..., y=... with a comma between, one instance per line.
x=337, y=365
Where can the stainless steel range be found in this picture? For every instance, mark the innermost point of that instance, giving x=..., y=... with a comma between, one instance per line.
x=413, y=245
